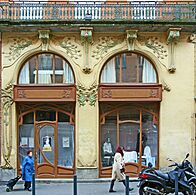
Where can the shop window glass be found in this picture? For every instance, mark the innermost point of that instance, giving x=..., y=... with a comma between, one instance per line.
x=46, y=69
x=128, y=68
x=63, y=117
x=149, y=139
x=26, y=136
x=45, y=116
x=65, y=144
x=129, y=127
x=45, y=151
x=108, y=139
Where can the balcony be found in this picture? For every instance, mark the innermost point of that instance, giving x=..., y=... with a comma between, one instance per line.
x=103, y=16
x=184, y=11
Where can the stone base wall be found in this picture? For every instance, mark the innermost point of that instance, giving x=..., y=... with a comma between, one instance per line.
x=7, y=174
x=87, y=173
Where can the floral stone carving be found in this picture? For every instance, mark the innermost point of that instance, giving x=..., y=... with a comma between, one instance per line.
x=156, y=46
x=17, y=45
x=7, y=101
x=87, y=94
x=70, y=47
x=103, y=45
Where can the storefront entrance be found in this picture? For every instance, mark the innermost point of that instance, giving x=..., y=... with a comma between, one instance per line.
x=49, y=132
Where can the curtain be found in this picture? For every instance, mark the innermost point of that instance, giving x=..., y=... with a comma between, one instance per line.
x=68, y=75
x=24, y=74
x=108, y=74
x=148, y=72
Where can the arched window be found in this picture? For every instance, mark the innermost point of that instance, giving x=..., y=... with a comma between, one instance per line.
x=128, y=68
x=46, y=68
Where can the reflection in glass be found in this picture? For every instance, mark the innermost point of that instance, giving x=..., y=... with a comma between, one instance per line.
x=46, y=69
x=26, y=136
x=128, y=68
x=149, y=139
x=65, y=144
x=108, y=139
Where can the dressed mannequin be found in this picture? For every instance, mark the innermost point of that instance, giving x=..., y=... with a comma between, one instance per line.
x=107, y=147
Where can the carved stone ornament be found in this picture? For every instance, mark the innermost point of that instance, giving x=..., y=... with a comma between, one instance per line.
x=131, y=37
x=172, y=39
x=86, y=39
x=71, y=47
x=192, y=38
x=156, y=46
x=7, y=101
x=17, y=45
x=44, y=36
x=87, y=94
x=86, y=34
x=103, y=45
x=166, y=87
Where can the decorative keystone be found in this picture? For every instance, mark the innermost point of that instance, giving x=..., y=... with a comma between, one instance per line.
x=131, y=37
x=86, y=34
x=192, y=38
x=173, y=35
x=44, y=36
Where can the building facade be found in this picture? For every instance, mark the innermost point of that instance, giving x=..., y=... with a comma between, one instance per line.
x=80, y=78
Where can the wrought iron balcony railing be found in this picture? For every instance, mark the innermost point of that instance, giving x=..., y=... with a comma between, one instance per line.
x=97, y=11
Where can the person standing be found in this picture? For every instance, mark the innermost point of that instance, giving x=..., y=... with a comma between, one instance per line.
x=28, y=170
x=118, y=169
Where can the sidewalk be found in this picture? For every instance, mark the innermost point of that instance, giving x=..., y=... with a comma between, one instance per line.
x=51, y=188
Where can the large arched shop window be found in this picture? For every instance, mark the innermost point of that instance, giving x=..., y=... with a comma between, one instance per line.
x=46, y=68
x=129, y=123
x=122, y=125
x=128, y=68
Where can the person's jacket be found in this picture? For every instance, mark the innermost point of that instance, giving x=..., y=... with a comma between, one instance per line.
x=27, y=168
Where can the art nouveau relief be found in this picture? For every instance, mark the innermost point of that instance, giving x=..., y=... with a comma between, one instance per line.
x=16, y=46
x=7, y=101
x=69, y=44
x=104, y=44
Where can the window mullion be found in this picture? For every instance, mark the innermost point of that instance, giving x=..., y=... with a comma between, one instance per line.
x=120, y=69
x=53, y=66
x=36, y=67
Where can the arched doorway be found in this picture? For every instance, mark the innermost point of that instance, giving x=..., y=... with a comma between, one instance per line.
x=129, y=100
x=45, y=100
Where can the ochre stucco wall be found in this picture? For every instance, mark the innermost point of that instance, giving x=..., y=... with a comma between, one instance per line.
x=177, y=122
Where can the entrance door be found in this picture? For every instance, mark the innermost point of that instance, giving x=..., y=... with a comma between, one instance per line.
x=46, y=149
x=49, y=133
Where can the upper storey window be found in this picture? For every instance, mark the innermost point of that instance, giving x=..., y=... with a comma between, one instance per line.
x=46, y=69
x=128, y=68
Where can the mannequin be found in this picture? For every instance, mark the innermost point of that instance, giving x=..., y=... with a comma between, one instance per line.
x=107, y=147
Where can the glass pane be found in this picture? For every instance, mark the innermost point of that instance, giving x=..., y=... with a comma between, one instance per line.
x=129, y=114
x=148, y=74
x=149, y=139
x=128, y=139
x=45, y=69
x=108, y=139
x=45, y=116
x=26, y=140
x=58, y=70
x=63, y=117
x=130, y=68
x=65, y=144
x=46, y=144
